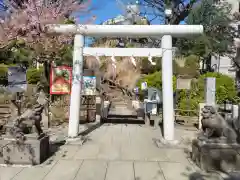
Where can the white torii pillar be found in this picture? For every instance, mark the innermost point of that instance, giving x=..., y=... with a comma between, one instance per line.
x=75, y=100
x=164, y=31
x=167, y=88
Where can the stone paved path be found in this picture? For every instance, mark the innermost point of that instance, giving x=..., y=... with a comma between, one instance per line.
x=114, y=152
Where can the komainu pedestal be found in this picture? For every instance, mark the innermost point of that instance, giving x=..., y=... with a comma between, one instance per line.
x=215, y=156
x=25, y=142
x=32, y=151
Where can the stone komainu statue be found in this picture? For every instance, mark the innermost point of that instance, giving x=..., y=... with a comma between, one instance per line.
x=215, y=127
x=36, y=116
x=32, y=116
x=217, y=146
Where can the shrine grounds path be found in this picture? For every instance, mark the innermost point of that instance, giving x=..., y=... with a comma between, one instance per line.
x=117, y=152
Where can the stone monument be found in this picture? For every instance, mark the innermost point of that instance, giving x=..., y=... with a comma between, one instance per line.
x=25, y=142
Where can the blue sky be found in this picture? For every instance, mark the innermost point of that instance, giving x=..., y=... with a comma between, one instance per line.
x=106, y=9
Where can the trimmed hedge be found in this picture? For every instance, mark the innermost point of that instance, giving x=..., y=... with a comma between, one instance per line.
x=33, y=74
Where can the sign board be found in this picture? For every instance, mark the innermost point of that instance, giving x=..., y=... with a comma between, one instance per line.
x=183, y=83
x=89, y=85
x=143, y=85
x=17, y=79
x=60, y=80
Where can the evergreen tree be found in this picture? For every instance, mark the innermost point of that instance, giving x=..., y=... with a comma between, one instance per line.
x=219, y=34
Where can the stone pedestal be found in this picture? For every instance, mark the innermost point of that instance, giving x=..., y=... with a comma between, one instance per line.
x=216, y=156
x=33, y=151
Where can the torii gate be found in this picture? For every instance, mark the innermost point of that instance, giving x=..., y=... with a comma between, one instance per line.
x=164, y=31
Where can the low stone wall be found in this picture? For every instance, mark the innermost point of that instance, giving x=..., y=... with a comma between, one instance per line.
x=5, y=114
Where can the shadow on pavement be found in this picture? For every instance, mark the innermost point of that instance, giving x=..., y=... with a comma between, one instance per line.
x=90, y=128
x=54, y=147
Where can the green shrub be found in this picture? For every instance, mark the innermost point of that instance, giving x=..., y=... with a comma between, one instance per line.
x=3, y=74
x=34, y=75
x=155, y=80
x=188, y=107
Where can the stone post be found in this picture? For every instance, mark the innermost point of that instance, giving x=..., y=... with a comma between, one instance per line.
x=210, y=90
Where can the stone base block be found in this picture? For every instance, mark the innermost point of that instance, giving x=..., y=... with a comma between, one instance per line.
x=32, y=152
x=215, y=156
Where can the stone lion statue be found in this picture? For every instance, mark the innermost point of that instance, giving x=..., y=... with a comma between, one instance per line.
x=214, y=126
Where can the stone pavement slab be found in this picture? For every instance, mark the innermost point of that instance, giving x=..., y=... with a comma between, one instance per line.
x=92, y=170
x=64, y=170
x=87, y=151
x=66, y=152
x=7, y=173
x=120, y=170
x=36, y=173
x=176, y=171
x=176, y=155
x=148, y=171
x=109, y=152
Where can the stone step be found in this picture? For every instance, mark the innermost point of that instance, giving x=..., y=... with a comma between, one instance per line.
x=124, y=120
x=119, y=105
x=121, y=111
x=122, y=116
x=114, y=102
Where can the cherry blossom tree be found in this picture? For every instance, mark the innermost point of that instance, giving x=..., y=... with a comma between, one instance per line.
x=27, y=23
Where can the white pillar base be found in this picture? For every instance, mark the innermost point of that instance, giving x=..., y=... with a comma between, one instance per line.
x=75, y=141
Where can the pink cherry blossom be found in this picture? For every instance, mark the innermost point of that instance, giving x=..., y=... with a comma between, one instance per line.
x=28, y=22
